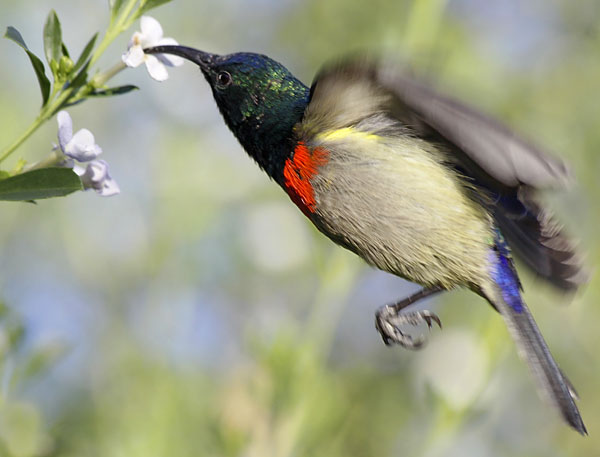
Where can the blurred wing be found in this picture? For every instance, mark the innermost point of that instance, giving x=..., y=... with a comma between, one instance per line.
x=488, y=144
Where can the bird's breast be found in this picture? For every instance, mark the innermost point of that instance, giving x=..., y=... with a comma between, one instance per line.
x=305, y=161
x=394, y=202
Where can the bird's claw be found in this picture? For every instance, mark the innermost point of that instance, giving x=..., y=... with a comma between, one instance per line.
x=430, y=317
x=388, y=322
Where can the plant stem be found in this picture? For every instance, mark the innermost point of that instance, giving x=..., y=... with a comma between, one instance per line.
x=102, y=78
x=113, y=31
x=108, y=38
x=32, y=128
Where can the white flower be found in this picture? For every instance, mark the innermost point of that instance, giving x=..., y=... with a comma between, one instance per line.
x=96, y=176
x=80, y=146
x=151, y=35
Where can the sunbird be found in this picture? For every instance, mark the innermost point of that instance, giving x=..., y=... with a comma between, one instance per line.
x=415, y=183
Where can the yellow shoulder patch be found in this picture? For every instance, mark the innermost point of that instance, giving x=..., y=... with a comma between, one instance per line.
x=345, y=133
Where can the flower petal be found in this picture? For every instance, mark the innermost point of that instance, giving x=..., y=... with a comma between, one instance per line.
x=94, y=174
x=156, y=68
x=152, y=31
x=168, y=59
x=82, y=146
x=109, y=188
x=65, y=129
x=78, y=169
x=97, y=177
x=134, y=56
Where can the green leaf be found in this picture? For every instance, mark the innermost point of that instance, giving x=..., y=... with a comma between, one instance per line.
x=52, y=38
x=4, y=174
x=38, y=184
x=85, y=53
x=64, y=49
x=81, y=77
x=149, y=5
x=119, y=90
x=14, y=35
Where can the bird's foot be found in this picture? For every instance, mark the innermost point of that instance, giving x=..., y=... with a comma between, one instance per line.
x=388, y=321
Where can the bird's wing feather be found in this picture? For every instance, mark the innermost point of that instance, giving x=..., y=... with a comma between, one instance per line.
x=500, y=154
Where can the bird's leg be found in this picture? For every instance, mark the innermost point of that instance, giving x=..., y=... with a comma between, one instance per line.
x=389, y=318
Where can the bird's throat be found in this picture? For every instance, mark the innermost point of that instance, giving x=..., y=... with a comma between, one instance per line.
x=265, y=126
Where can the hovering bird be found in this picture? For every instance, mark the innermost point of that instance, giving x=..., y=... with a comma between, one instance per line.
x=416, y=183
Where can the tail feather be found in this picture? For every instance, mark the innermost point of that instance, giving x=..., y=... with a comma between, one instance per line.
x=505, y=296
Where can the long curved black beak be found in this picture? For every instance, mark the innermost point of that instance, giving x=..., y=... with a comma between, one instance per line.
x=203, y=59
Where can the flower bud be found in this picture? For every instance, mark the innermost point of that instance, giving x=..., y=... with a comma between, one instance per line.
x=66, y=65
x=54, y=66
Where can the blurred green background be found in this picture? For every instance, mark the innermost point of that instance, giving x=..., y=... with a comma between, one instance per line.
x=198, y=312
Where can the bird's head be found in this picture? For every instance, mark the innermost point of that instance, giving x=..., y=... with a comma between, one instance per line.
x=258, y=97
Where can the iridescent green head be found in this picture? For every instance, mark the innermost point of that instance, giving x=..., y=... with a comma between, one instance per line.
x=259, y=98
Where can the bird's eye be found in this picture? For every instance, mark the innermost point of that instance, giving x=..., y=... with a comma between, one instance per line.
x=223, y=79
